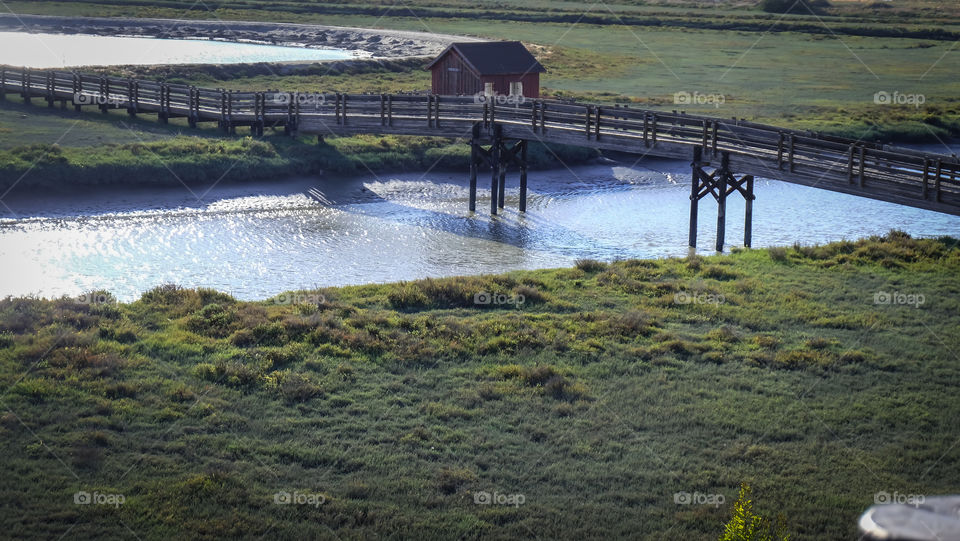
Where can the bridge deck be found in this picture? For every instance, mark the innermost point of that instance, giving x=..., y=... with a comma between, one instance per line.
x=898, y=175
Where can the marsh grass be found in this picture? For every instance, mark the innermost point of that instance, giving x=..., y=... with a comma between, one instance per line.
x=601, y=394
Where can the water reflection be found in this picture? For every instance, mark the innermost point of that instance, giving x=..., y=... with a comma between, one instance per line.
x=257, y=240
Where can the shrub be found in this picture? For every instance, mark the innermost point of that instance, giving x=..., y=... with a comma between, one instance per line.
x=449, y=481
x=560, y=388
x=777, y=253
x=745, y=525
x=719, y=273
x=631, y=323
x=531, y=295
x=406, y=296
x=298, y=388
x=212, y=320
x=590, y=265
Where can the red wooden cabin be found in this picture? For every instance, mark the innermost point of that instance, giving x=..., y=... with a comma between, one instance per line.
x=467, y=68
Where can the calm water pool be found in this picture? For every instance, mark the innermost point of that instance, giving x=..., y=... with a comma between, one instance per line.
x=62, y=50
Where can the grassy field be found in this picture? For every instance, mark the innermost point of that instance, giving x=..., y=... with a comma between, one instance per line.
x=814, y=71
x=589, y=408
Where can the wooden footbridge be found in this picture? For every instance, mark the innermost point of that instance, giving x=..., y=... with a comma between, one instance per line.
x=726, y=154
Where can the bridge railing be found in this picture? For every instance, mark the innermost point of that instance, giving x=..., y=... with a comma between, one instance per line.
x=898, y=174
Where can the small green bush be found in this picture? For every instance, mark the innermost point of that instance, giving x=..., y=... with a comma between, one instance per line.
x=745, y=525
x=590, y=265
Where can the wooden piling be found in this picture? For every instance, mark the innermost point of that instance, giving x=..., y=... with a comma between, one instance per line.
x=523, y=176
x=748, y=215
x=502, y=178
x=694, y=195
x=474, y=159
x=722, y=199
x=495, y=167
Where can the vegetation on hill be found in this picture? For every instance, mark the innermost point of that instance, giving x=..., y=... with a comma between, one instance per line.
x=609, y=400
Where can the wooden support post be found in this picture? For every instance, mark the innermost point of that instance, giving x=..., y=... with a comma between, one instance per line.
x=3, y=83
x=863, y=153
x=936, y=180
x=194, y=113
x=501, y=191
x=694, y=195
x=596, y=125
x=791, y=153
x=586, y=121
x=523, y=176
x=714, y=138
x=646, y=141
x=77, y=89
x=429, y=110
x=51, y=97
x=780, y=152
x=722, y=199
x=850, y=163
x=474, y=164
x=132, y=98
x=926, y=176
x=748, y=214
x=104, y=95
x=495, y=166
x=25, y=86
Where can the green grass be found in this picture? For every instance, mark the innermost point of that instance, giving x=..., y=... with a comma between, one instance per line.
x=168, y=156
x=597, y=399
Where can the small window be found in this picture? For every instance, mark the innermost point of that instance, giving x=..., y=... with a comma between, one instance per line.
x=516, y=88
x=488, y=89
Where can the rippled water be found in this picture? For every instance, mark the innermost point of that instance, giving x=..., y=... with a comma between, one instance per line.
x=41, y=50
x=255, y=241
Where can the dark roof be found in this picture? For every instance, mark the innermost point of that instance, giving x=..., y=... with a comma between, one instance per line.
x=495, y=57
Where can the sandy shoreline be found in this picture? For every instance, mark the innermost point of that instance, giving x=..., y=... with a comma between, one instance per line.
x=378, y=43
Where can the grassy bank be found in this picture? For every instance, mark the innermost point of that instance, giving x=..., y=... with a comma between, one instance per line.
x=186, y=159
x=386, y=409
